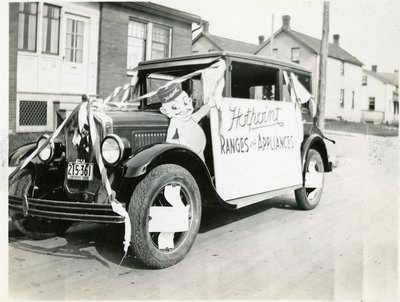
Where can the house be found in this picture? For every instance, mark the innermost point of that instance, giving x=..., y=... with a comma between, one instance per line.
x=343, y=88
x=60, y=50
x=380, y=96
x=53, y=60
x=205, y=42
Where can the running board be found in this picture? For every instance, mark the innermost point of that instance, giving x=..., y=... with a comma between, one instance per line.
x=248, y=200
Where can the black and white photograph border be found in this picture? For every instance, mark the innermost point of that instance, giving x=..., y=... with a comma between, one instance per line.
x=346, y=248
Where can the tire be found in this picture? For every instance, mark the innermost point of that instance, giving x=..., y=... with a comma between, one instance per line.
x=33, y=227
x=307, y=198
x=149, y=192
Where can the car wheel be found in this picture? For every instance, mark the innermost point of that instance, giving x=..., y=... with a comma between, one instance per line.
x=309, y=195
x=33, y=227
x=154, y=248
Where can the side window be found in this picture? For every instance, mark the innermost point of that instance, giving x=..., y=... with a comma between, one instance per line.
x=251, y=81
x=304, y=79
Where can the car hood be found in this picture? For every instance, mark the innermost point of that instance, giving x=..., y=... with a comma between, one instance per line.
x=126, y=119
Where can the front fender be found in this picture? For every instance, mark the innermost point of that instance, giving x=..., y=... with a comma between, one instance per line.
x=316, y=142
x=21, y=153
x=139, y=163
x=159, y=154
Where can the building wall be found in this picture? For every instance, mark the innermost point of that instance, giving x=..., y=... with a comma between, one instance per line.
x=203, y=45
x=12, y=67
x=49, y=79
x=284, y=44
x=349, y=82
x=114, y=42
x=383, y=94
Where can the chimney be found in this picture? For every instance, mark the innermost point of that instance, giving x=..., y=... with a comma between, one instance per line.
x=286, y=22
x=205, y=26
x=374, y=68
x=261, y=40
x=336, y=38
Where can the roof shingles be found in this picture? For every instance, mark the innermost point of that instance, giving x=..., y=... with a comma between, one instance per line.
x=314, y=44
x=226, y=44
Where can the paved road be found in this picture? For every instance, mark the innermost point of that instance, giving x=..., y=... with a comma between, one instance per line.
x=344, y=249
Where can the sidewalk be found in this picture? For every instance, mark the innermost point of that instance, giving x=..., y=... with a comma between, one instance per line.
x=353, y=134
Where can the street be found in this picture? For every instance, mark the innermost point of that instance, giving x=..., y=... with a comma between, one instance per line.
x=346, y=248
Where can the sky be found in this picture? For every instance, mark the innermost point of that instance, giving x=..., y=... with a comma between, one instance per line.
x=369, y=29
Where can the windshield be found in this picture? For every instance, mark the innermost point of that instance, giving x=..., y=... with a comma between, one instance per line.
x=192, y=86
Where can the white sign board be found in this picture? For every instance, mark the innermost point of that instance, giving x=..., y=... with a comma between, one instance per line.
x=256, y=147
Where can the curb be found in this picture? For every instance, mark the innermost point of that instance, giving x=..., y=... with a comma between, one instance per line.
x=351, y=134
x=354, y=134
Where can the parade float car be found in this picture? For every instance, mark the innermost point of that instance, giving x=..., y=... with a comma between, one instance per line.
x=261, y=140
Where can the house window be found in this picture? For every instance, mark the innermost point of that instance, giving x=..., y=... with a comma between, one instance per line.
x=50, y=29
x=396, y=108
x=371, y=105
x=27, y=26
x=341, y=98
x=147, y=41
x=342, y=67
x=160, y=42
x=296, y=55
x=74, y=41
x=352, y=100
x=137, y=34
x=364, y=80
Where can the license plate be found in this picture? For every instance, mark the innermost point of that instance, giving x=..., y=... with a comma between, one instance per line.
x=80, y=171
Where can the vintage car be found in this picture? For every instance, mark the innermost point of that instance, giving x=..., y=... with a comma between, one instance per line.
x=258, y=142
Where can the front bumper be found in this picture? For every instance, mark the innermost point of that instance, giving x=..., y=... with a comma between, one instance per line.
x=64, y=210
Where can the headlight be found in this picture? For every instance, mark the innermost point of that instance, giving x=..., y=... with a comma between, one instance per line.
x=47, y=153
x=112, y=149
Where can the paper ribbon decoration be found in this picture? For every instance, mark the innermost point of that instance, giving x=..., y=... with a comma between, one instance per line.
x=169, y=220
x=49, y=140
x=115, y=204
x=213, y=82
x=297, y=104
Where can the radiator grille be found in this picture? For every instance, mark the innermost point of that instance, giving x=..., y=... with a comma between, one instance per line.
x=147, y=137
x=32, y=113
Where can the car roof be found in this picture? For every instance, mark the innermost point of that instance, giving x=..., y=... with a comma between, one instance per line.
x=207, y=58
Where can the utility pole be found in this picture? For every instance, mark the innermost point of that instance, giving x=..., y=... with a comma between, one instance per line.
x=323, y=53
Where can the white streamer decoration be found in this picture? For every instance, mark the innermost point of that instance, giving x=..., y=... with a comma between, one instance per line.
x=168, y=220
x=297, y=104
x=115, y=204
